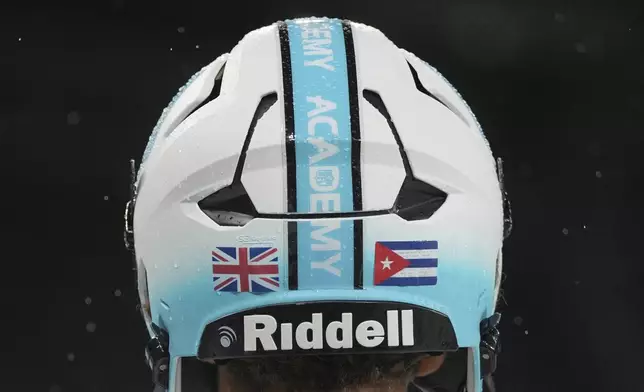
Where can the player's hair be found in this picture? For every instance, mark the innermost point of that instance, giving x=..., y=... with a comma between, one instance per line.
x=328, y=373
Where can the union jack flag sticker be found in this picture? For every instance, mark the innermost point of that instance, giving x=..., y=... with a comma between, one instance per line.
x=245, y=269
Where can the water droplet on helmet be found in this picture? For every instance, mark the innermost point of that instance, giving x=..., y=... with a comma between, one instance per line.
x=176, y=265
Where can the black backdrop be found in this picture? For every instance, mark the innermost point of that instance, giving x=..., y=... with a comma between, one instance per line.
x=558, y=88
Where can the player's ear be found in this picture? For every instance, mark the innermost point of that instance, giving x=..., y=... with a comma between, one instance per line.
x=429, y=364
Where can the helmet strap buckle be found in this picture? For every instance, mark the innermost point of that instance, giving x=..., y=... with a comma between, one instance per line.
x=158, y=356
x=490, y=346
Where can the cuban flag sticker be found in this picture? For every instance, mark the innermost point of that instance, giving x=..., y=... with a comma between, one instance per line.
x=406, y=263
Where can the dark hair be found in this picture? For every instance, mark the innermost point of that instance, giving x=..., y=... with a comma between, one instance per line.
x=328, y=373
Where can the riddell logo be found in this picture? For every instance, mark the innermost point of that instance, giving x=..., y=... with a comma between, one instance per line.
x=337, y=334
x=327, y=327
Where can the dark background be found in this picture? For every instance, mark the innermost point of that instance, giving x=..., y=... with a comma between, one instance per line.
x=557, y=86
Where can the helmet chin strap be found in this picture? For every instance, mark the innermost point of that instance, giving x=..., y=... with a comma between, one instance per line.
x=158, y=357
x=490, y=344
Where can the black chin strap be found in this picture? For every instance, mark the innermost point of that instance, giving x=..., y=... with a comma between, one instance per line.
x=490, y=344
x=158, y=357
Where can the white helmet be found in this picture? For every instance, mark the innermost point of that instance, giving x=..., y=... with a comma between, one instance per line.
x=317, y=178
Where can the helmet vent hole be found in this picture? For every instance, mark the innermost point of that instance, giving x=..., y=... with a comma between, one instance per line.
x=416, y=200
x=422, y=89
x=232, y=206
x=376, y=101
x=216, y=90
